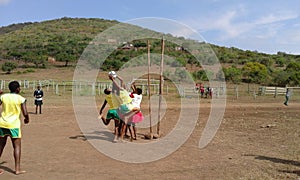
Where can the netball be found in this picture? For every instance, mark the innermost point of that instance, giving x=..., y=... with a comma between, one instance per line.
x=113, y=74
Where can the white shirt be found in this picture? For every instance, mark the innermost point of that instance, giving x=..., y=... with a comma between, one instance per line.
x=136, y=100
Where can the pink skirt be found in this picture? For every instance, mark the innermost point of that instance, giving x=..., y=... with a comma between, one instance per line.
x=138, y=117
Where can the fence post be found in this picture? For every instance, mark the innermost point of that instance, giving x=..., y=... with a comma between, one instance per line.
x=93, y=89
x=48, y=86
x=167, y=90
x=1, y=85
x=236, y=92
x=64, y=83
x=56, y=89
x=275, y=95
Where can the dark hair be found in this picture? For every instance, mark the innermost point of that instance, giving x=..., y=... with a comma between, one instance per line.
x=139, y=91
x=106, y=91
x=13, y=86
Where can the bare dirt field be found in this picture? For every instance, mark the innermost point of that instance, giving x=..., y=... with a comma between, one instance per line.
x=258, y=139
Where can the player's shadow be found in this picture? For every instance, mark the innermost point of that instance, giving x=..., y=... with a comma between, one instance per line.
x=279, y=160
x=98, y=135
x=7, y=169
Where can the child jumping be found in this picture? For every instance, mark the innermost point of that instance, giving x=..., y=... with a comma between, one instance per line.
x=126, y=109
x=112, y=112
x=10, y=123
x=135, y=116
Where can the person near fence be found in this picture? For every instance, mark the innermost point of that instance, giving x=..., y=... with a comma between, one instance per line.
x=202, y=89
x=10, y=124
x=207, y=91
x=38, y=101
x=287, y=96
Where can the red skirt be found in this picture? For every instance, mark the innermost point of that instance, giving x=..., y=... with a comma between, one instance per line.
x=138, y=117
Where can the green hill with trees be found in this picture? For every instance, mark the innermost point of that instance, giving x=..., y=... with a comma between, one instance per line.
x=36, y=44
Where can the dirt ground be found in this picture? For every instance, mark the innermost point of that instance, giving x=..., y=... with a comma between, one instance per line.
x=258, y=139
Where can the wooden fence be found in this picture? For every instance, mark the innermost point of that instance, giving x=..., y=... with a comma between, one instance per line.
x=271, y=91
x=75, y=87
x=87, y=88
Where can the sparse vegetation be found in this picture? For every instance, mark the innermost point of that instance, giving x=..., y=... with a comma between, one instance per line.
x=64, y=40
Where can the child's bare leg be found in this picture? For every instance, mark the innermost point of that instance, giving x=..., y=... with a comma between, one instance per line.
x=17, y=154
x=116, y=130
x=123, y=131
x=116, y=126
x=130, y=114
x=131, y=135
x=2, y=145
x=134, y=132
x=105, y=121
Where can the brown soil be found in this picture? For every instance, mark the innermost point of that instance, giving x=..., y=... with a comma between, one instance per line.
x=258, y=139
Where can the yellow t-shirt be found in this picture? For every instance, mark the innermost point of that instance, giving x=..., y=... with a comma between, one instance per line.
x=125, y=98
x=112, y=101
x=11, y=110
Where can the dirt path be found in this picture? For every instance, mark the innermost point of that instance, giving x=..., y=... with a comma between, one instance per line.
x=255, y=141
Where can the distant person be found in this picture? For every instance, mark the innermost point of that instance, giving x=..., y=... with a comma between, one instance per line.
x=202, y=90
x=207, y=92
x=10, y=123
x=287, y=96
x=38, y=101
x=211, y=92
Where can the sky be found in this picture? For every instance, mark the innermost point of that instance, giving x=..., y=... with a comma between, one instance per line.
x=267, y=26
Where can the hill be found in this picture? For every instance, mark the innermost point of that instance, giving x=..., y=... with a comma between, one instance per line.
x=63, y=40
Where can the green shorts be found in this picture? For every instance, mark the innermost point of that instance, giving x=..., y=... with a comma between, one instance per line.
x=112, y=114
x=13, y=133
x=125, y=108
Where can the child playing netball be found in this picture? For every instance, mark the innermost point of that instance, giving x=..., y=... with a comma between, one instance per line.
x=112, y=112
x=10, y=124
x=126, y=109
x=136, y=115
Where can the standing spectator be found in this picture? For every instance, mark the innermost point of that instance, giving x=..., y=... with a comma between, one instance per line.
x=10, y=123
x=38, y=94
x=211, y=92
x=207, y=92
x=202, y=89
x=287, y=96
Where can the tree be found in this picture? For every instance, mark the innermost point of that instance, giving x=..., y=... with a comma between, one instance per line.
x=255, y=72
x=293, y=66
x=201, y=75
x=280, y=78
x=233, y=74
x=180, y=74
x=8, y=67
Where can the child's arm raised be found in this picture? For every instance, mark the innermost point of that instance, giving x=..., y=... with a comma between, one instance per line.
x=133, y=87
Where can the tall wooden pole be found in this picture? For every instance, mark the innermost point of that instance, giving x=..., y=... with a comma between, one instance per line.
x=160, y=82
x=149, y=91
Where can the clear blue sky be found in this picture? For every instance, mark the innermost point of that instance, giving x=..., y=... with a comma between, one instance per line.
x=264, y=25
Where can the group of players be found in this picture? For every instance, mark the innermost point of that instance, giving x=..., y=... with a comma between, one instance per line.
x=124, y=108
